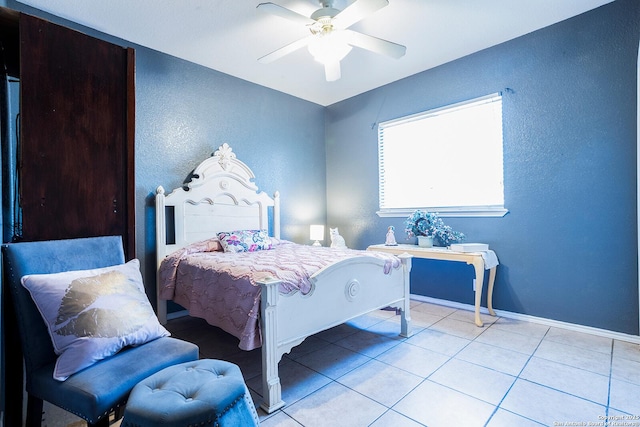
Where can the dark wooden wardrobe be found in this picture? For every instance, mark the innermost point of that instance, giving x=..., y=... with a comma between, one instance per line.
x=74, y=155
x=76, y=171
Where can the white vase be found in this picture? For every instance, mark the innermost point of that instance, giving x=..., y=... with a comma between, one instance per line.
x=425, y=241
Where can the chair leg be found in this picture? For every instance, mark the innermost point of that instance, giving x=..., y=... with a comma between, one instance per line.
x=102, y=422
x=34, y=412
x=13, y=362
x=119, y=412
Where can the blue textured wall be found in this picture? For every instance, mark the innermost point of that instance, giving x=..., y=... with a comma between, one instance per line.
x=184, y=112
x=568, y=247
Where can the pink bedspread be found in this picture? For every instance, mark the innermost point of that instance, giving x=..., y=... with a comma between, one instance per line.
x=222, y=287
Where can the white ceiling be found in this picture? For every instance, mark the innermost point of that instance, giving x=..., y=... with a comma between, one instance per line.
x=230, y=35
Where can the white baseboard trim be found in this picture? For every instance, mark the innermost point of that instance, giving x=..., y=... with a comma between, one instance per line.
x=634, y=339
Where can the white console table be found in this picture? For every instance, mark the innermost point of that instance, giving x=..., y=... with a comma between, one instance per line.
x=471, y=258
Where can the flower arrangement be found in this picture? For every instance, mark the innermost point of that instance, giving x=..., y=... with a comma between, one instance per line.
x=422, y=223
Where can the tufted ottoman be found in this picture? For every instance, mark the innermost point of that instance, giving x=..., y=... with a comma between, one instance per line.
x=204, y=392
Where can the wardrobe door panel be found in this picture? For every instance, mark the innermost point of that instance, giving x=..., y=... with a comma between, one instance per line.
x=76, y=172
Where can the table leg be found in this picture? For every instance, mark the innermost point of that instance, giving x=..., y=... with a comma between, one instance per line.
x=492, y=279
x=478, y=265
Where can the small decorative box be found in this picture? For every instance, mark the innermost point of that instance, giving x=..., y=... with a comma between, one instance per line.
x=469, y=247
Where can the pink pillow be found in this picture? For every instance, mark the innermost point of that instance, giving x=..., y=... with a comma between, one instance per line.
x=209, y=245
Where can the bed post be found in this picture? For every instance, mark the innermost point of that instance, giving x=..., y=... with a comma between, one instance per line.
x=271, y=387
x=161, y=241
x=276, y=215
x=405, y=317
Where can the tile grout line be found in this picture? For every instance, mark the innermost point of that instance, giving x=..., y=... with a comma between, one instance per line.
x=425, y=379
x=517, y=377
x=606, y=409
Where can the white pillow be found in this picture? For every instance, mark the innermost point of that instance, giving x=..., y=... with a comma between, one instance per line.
x=93, y=314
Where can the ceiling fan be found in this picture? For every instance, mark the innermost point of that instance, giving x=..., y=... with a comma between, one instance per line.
x=330, y=39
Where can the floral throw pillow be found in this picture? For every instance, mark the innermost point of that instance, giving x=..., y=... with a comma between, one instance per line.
x=245, y=240
x=93, y=314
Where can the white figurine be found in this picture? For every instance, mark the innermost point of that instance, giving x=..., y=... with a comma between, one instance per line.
x=337, y=241
x=391, y=237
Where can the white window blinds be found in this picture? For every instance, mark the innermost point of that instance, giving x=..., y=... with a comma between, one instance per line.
x=447, y=160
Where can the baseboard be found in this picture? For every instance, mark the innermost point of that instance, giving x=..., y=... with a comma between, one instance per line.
x=634, y=339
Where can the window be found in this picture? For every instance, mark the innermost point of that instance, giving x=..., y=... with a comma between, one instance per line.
x=447, y=160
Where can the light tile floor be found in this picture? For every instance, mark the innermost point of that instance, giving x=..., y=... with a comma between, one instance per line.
x=449, y=373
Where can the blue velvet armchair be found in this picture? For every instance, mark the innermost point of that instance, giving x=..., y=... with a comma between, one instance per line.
x=94, y=392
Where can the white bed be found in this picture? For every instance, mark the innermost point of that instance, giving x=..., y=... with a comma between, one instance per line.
x=222, y=196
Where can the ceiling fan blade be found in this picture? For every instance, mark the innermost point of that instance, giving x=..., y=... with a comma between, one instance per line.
x=374, y=44
x=291, y=47
x=285, y=13
x=332, y=71
x=357, y=11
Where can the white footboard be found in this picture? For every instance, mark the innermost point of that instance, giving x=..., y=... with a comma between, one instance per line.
x=340, y=292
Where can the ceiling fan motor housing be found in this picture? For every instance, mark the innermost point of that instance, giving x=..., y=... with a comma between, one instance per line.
x=326, y=3
x=327, y=12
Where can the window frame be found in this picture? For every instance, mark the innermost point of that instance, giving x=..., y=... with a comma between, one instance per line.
x=444, y=211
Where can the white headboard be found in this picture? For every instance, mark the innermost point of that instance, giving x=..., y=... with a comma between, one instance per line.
x=220, y=197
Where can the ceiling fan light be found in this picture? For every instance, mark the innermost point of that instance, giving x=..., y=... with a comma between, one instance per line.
x=332, y=71
x=328, y=49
